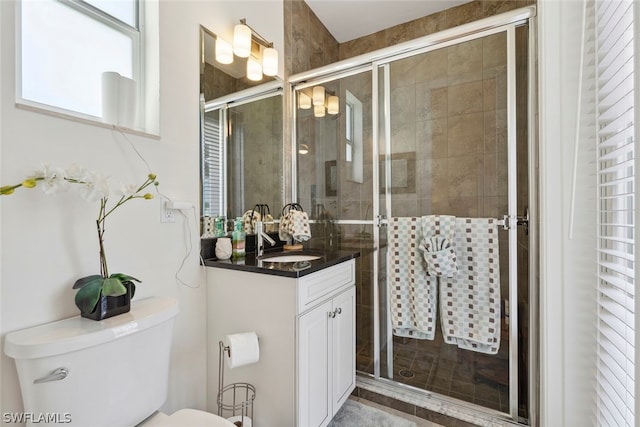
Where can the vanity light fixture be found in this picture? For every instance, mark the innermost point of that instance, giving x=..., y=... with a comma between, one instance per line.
x=270, y=61
x=254, y=69
x=318, y=95
x=262, y=57
x=242, y=39
x=304, y=101
x=333, y=105
x=323, y=101
x=224, y=52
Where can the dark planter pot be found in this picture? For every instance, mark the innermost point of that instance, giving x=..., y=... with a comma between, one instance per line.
x=111, y=306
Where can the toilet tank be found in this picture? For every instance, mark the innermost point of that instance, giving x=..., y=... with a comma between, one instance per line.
x=117, y=369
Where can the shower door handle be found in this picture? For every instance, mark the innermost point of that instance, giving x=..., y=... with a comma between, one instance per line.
x=57, y=375
x=512, y=222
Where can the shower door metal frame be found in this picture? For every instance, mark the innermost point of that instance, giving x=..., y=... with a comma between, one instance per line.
x=380, y=60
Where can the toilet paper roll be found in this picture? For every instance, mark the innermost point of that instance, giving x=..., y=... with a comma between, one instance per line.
x=243, y=349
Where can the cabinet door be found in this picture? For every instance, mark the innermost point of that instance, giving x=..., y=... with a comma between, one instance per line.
x=314, y=367
x=344, y=347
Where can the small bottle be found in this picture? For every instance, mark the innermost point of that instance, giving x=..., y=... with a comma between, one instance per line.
x=221, y=226
x=238, y=239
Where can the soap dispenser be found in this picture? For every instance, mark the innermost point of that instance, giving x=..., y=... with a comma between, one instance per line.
x=238, y=238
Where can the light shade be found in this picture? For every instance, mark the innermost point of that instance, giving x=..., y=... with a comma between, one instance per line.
x=318, y=111
x=270, y=61
x=224, y=52
x=304, y=101
x=318, y=95
x=333, y=105
x=242, y=40
x=254, y=69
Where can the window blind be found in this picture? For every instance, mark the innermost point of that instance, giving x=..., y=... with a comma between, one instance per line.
x=616, y=192
x=212, y=165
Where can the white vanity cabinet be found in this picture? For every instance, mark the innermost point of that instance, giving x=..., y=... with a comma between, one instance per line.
x=306, y=332
x=326, y=356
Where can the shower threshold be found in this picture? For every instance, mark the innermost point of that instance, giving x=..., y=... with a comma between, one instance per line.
x=428, y=405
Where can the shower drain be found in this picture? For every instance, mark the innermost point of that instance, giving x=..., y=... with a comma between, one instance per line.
x=406, y=373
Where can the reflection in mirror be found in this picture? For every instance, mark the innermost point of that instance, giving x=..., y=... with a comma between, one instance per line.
x=241, y=155
x=218, y=80
x=333, y=133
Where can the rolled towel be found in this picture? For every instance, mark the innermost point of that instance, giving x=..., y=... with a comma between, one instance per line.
x=439, y=256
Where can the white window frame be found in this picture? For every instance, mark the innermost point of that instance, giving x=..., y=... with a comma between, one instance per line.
x=146, y=124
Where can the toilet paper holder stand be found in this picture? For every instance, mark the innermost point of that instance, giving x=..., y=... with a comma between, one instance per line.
x=235, y=398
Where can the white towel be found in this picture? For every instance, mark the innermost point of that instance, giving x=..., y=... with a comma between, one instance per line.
x=295, y=224
x=470, y=301
x=413, y=295
x=438, y=253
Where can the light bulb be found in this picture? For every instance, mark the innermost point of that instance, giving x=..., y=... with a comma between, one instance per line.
x=318, y=95
x=270, y=61
x=224, y=52
x=318, y=111
x=304, y=101
x=254, y=69
x=242, y=40
x=304, y=149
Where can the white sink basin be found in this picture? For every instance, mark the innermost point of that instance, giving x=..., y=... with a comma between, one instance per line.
x=290, y=258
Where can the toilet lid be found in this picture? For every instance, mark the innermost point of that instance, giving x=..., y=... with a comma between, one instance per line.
x=193, y=418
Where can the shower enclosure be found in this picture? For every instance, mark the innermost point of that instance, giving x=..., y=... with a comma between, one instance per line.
x=438, y=126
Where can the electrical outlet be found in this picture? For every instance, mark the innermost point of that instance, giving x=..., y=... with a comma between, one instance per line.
x=166, y=214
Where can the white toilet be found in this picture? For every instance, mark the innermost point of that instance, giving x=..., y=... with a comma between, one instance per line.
x=112, y=373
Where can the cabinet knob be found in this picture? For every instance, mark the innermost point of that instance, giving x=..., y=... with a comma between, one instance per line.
x=332, y=314
x=339, y=310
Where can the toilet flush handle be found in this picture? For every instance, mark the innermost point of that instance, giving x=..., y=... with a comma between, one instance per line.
x=57, y=375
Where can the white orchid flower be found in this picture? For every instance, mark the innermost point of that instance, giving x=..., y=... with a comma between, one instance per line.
x=53, y=179
x=95, y=187
x=128, y=190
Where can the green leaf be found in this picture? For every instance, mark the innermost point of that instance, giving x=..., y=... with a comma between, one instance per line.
x=84, y=281
x=133, y=289
x=113, y=287
x=125, y=277
x=88, y=296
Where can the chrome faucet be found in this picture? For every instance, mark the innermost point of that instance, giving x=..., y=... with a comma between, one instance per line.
x=261, y=235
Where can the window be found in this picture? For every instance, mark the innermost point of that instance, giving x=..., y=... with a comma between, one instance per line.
x=614, y=38
x=212, y=167
x=354, y=137
x=65, y=46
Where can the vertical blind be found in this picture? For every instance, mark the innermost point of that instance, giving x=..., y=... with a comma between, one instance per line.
x=616, y=191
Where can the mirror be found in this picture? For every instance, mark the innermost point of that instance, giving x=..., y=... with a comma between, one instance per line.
x=218, y=80
x=241, y=140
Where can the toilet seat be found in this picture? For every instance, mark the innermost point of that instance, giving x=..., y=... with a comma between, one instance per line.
x=186, y=417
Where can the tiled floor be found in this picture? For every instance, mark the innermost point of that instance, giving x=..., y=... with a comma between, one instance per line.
x=445, y=369
x=420, y=422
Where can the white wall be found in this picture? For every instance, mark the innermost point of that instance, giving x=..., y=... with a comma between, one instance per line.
x=49, y=241
x=567, y=275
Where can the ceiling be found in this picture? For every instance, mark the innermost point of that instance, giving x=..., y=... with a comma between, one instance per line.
x=349, y=19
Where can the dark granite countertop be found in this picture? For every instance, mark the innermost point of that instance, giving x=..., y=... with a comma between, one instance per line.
x=285, y=269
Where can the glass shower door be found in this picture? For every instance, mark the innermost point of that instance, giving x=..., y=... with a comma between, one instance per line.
x=448, y=147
